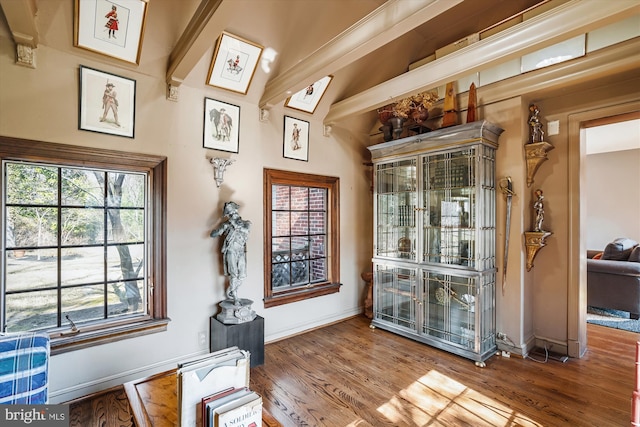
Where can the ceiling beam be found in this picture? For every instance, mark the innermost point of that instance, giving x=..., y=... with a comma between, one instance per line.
x=565, y=21
x=197, y=39
x=388, y=22
x=21, y=17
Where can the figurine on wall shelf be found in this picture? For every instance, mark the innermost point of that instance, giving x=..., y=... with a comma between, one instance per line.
x=536, y=148
x=536, y=134
x=234, y=248
x=538, y=207
x=536, y=239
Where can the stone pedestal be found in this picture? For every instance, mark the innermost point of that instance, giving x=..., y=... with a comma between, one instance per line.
x=235, y=312
x=247, y=336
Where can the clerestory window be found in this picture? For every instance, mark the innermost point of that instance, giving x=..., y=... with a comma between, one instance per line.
x=302, y=255
x=83, y=243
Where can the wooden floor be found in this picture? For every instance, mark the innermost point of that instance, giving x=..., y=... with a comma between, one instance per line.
x=349, y=375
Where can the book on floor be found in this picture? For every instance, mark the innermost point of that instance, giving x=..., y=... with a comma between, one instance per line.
x=243, y=411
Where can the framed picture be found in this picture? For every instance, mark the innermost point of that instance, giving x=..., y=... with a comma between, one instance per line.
x=113, y=28
x=296, y=139
x=234, y=63
x=308, y=98
x=221, y=126
x=107, y=103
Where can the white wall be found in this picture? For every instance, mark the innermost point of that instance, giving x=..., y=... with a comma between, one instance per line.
x=613, y=197
x=42, y=104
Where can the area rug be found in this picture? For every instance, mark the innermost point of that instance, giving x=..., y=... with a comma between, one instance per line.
x=612, y=318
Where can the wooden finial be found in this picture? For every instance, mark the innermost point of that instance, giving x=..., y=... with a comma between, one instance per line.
x=471, y=109
x=450, y=117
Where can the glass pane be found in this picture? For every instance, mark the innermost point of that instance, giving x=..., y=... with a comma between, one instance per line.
x=318, y=222
x=32, y=269
x=31, y=226
x=318, y=247
x=299, y=223
x=300, y=272
x=299, y=198
x=126, y=225
x=81, y=188
x=81, y=226
x=318, y=199
x=280, y=224
x=125, y=262
x=554, y=54
x=280, y=276
x=299, y=248
x=395, y=294
x=82, y=265
x=33, y=310
x=83, y=304
x=280, y=248
x=126, y=190
x=318, y=270
x=32, y=184
x=280, y=197
x=125, y=297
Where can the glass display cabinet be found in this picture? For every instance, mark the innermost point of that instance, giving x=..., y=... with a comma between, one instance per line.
x=434, y=238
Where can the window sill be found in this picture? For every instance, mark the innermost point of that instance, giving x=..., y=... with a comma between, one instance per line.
x=81, y=340
x=301, y=294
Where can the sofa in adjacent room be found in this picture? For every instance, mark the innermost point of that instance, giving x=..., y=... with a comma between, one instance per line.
x=613, y=277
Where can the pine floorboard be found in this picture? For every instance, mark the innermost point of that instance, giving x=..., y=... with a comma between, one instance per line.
x=348, y=375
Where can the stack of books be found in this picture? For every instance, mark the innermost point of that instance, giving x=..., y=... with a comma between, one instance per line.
x=234, y=407
x=213, y=390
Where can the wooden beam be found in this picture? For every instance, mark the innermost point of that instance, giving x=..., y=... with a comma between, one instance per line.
x=21, y=17
x=565, y=21
x=199, y=35
x=383, y=25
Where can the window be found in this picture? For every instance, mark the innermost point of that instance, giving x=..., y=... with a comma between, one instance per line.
x=302, y=248
x=83, y=243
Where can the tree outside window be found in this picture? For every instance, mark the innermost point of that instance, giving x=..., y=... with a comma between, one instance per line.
x=84, y=243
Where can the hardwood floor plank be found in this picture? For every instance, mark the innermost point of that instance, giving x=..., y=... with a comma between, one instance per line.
x=347, y=375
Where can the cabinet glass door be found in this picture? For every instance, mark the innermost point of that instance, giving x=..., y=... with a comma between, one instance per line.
x=395, y=298
x=396, y=207
x=449, y=309
x=449, y=208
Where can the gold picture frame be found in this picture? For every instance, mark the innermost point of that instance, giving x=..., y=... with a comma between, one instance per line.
x=307, y=99
x=111, y=28
x=234, y=63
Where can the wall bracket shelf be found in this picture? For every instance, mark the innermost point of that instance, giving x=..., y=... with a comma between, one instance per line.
x=536, y=154
x=534, y=241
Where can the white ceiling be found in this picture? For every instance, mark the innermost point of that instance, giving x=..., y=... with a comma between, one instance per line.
x=613, y=137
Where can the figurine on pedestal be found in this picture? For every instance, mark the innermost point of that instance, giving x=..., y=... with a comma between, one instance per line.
x=234, y=248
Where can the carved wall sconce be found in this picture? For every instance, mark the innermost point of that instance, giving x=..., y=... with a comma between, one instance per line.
x=219, y=166
x=536, y=154
x=534, y=241
x=536, y=148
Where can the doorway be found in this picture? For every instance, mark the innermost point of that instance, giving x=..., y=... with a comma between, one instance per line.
x=578, y=225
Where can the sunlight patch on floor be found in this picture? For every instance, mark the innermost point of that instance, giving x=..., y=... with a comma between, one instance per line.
x=436, y=398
